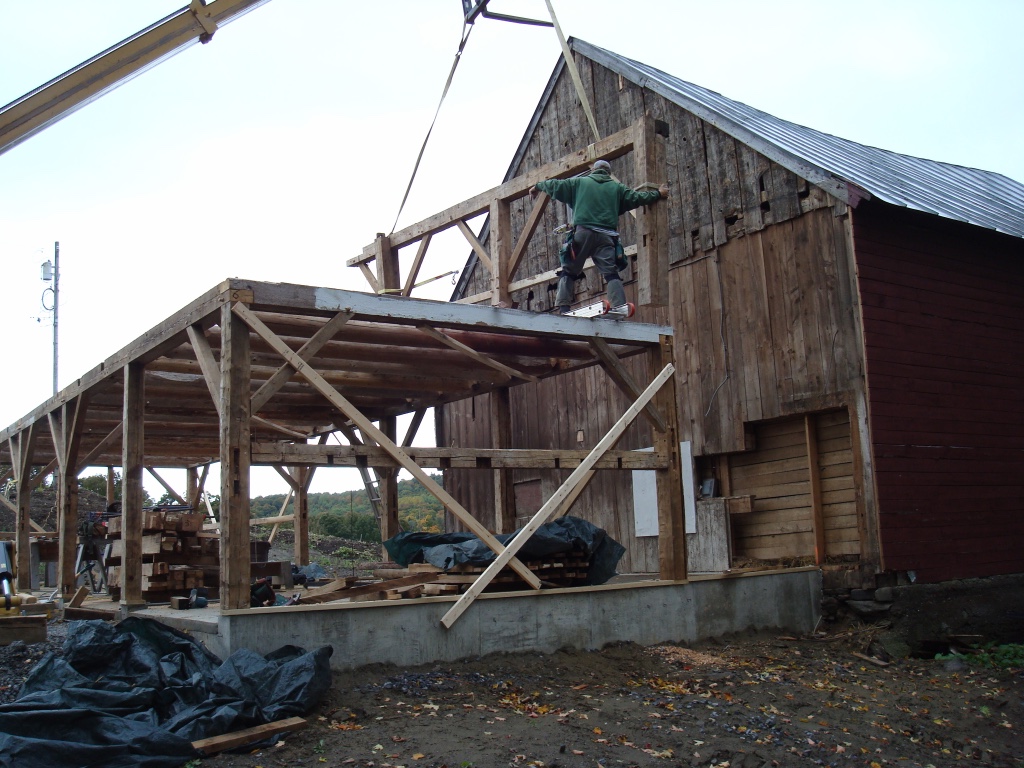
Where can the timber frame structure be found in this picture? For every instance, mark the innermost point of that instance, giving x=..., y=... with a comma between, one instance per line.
x=265, y=374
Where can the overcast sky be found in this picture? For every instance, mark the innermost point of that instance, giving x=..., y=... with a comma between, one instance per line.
x=278, y=150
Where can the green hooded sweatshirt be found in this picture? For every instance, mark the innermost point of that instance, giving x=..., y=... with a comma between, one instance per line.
x=597, y=200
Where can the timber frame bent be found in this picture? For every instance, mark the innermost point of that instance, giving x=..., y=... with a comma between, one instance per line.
x=257, y=373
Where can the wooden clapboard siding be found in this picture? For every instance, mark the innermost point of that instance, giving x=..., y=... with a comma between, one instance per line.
x=780, y=524
x=776, y=473
x=943, y=313
x=838, y=491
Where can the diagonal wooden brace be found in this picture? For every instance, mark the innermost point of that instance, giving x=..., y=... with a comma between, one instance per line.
x=553, y=504
x=342, y=404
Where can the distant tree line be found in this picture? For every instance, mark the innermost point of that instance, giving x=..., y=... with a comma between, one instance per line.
x=348, y=514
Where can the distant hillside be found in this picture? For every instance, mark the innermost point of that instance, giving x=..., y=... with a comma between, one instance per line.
x=348, y=514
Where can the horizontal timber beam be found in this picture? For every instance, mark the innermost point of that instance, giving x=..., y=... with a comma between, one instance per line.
x=446, y=458
x=609, y=148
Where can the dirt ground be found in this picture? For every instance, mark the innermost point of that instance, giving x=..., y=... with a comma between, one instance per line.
x=746, y=702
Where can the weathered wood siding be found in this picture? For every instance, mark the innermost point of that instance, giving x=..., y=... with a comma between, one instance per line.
x=551, y=414
x=761, y=299
x=777, y=475
x=943, y=307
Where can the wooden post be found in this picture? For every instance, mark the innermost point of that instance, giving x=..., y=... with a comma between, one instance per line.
x=388, y=276
x=66, y=430
x=300, y=523
x=669, y=482
x=132, y=466
x=501, y=437
x=814, y=473
x=388, y=482
x=111, y=486
x=22, y=446
x=501, y=252
x=651, y=220
x=191, y=486
x=235, y=564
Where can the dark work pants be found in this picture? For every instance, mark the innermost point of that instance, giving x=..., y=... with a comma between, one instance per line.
x=601, y=248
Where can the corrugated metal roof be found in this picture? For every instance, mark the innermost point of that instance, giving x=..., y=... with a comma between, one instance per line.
x=843, y=168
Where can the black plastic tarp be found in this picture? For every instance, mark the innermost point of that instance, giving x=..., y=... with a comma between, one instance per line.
x=138, y=693
x=566, y=534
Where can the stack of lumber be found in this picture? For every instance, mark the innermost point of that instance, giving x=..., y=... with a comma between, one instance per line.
x=424, y=580
x=177, y=555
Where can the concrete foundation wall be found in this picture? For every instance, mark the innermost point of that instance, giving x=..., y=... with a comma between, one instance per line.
x=408, y=633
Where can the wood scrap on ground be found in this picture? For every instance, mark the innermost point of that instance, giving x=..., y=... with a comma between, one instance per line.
x=28, y=629
x=215, y=744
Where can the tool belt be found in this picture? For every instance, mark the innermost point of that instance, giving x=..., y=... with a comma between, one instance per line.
x=567, y=252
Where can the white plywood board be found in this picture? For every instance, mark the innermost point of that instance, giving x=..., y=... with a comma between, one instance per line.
x=645, y=496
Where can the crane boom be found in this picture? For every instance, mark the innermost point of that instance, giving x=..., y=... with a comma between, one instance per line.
x=52, y=101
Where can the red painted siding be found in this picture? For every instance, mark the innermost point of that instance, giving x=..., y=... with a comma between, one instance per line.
x=943, y=311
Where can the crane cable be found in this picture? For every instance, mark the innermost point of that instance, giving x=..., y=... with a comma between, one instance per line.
x=574, y=73
x=466, y=30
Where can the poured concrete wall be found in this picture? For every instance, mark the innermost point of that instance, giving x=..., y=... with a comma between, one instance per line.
x=408, y=633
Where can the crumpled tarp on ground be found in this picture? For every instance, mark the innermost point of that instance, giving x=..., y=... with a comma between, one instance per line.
x=566, y=534
x=139, y=693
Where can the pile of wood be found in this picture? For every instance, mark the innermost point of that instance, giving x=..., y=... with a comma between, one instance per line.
x=424, y=580
x=177, y=555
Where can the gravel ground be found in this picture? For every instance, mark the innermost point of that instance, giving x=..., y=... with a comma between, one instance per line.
x=18, y=659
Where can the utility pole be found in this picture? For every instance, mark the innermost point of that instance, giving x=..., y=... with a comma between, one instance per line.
x=56, y=307
x=52, y=272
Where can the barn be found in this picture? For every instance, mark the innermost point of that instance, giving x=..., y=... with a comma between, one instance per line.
x=849, y=340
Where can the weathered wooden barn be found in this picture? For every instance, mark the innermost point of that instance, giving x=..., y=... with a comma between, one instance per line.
x=849, y=328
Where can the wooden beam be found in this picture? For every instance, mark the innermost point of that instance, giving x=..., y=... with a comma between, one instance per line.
x=235, y=563
x=37, y=479
x=651, y=220
x=152, y=344
x=814, y=475
x=67, y=429
x=235, y=739
x=167, y=487
x=132, y=459
x=624, y=380
x=388, y=274
x=552, y=505
x=207, y=362
x=398, y=310
x=284, y=506
x=364, y=424
x=371, y=278
x=387, y=488
x=500, y=237
x=421, y=252
x=609, y=148
x=481, y=252
x=278, y=428
x=358, y=454
x=300, y=517
x=281, y=376
x=112, y=437
x=414, y=426
x=669, y=480
x=21, y=446
x=501, y=439
x=254, y=521
x=283, y=472
x=472, y=353
x=534, y=219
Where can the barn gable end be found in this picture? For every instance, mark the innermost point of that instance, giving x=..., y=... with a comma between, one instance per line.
x=773, y=257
